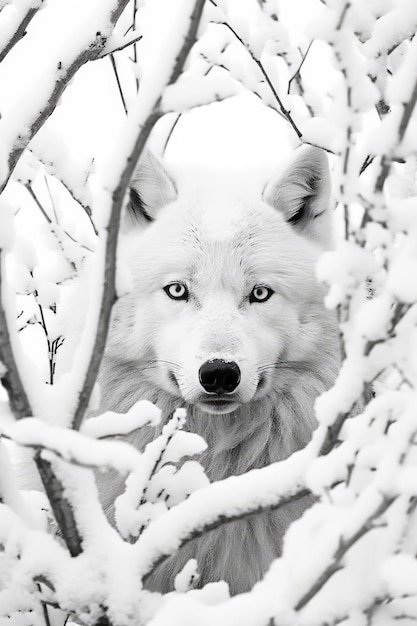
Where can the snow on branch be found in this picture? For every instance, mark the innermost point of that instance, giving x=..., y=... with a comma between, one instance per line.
x=14, y=22
x=351, y=558
x=25, y=120
x=142, y=118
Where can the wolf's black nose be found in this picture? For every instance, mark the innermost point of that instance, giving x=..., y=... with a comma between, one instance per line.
x=218, y=376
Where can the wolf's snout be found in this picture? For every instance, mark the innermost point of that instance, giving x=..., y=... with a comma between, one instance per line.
x=218, y=376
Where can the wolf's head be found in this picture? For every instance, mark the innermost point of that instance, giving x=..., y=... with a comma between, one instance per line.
x=224, y=307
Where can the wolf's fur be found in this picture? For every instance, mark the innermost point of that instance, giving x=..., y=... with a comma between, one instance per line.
x=221, y=245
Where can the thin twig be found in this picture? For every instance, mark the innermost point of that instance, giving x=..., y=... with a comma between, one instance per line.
x=177, y=119
x=135, y=50
x=119, y=86
x=73, y=195
x=283, y=111
x=296, y=76
x=49, y=220
x=122, y=46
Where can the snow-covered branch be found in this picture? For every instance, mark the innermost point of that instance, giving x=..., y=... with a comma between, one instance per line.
x=25, y=120
x=344, y=80
x=14, y=26
x=144, y=115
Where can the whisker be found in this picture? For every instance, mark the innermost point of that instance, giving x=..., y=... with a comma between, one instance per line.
x=294, y=365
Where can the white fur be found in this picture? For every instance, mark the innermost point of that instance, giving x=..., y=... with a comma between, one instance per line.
x=222, y=241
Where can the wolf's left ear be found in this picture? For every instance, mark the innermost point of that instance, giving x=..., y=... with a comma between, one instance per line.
x=151, y=188
x=302, y=194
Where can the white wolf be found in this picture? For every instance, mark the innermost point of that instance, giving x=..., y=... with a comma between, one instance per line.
x=226, y=319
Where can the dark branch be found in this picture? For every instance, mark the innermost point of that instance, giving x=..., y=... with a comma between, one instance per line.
x=344, y=546
x=65, y=76
x=19, y=32
x=221, y=520
x=123, y=46
x=109, y=296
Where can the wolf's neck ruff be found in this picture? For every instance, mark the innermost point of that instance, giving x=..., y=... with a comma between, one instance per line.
x=236, y=322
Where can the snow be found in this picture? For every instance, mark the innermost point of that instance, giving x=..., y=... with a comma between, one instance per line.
x=7, y=225
x=167, y=495
x=192, y=91
x=401, y=280
x=230, y=497
x=109, y=424
x=73, y=446
x=187, y=577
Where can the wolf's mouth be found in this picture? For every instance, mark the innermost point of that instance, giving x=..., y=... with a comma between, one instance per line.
x=217, y=406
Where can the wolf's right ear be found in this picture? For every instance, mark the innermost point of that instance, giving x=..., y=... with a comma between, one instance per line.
x=151, y=188
x=302, y=195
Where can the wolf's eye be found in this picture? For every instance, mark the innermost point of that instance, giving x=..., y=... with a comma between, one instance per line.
x=260, y=293
x=177, y=291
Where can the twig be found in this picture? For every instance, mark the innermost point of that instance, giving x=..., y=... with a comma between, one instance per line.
x=386, y=160
x=109, y=296
x=221, y=520
x=10, y=379
x=135, y=50
x=283, y=111
x=20, y=406
x=49, y=220
x=408, y=110
x=177, y=119
x=296, y=76
x=116, y=74
x=122, y=46
x=61, y=507
x=44, y=608
x=73, y=195
x=344, y=546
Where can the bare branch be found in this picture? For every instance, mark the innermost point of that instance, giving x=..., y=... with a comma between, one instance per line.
x=10, y=379
x=119, y=86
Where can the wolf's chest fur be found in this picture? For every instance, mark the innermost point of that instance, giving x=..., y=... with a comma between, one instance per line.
x=239, y=552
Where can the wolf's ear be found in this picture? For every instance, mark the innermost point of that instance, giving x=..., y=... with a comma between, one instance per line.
x=151, y=188
x=302, y=194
